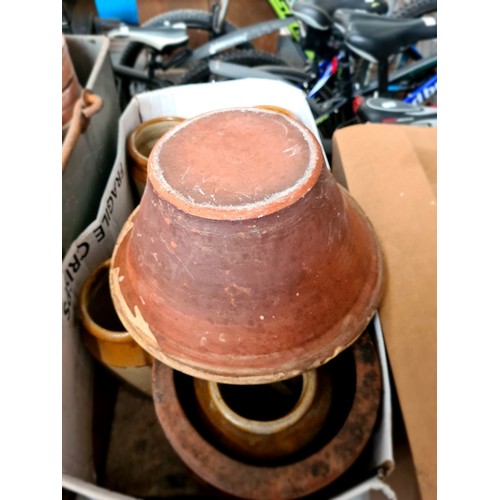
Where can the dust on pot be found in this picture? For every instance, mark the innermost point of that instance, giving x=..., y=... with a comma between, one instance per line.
x=105, y=337
x=245, y=262
x=354, y=398
x=140, y=143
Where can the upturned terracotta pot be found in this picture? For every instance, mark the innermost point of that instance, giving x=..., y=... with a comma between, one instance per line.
x=266, y=422
x=245, y=262
x=104, y=336
x=140, y=143
x=71, y=88
x=344, y=435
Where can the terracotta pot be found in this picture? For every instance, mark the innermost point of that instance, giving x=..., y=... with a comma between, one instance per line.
x=104, y=336
x=245, y=262
x=340, y=445
x=140, y=143
x=266, y=422
x=71, y=88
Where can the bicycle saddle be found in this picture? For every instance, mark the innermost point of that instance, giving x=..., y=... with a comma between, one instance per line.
x=376, y=38
x=343, y=17
x=156, y=38
x=383, y=110
x=319, y=13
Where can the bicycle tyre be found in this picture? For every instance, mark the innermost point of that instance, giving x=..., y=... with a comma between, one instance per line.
x=415, y=9
x=194, y=20
x=246, y=57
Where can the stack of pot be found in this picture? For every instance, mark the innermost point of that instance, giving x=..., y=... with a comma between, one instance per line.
x=250, y=276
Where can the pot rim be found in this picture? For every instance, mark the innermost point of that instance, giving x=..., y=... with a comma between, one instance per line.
x=93, y=328
x=304, y=403
x=132, y=149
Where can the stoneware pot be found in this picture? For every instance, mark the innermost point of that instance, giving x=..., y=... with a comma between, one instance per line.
x=245, y=262
x=266, y=422
x=324, y=463
x=70, y=87
x=140, y=143
x=104, y=336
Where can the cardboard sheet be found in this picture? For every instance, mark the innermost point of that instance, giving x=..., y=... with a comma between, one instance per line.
x=391, y=171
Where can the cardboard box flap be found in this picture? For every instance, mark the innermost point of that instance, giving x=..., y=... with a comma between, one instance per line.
x=391, y=171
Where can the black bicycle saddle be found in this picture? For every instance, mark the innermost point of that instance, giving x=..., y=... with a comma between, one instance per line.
x=342, y=18
x=319, y=13
x=376, y=38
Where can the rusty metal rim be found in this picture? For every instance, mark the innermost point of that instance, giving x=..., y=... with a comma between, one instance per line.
x=319, y=352
x=282, y=482
x=267, y=206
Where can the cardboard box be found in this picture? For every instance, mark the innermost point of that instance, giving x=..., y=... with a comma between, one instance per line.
x=391, y=171
x=96, y=243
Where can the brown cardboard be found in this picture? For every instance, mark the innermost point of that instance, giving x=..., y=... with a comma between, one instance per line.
x=391, y=171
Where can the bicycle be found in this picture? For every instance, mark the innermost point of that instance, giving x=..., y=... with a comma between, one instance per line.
x=146, y=64
x=412, y=83
x=332, y=100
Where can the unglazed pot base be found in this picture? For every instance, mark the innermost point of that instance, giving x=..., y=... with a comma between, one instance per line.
x=245, y=262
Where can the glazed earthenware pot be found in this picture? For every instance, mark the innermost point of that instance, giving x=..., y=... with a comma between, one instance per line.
x=341, y=441
x=266, y=422
x=245, y=262
x=140, y=143
x=70, y=87
x=104, y=336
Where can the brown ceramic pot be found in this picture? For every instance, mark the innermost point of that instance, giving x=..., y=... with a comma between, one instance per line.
x=140, y=143
x=266, y=422
x=70, y=87
x=331, y=457
x=245, y=262
x=104, y=336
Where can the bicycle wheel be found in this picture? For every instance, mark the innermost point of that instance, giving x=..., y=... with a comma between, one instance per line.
x=135, y=55
x=416, y=8
x=245, y=57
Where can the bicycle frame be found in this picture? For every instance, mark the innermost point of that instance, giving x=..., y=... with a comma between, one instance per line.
x=416, y=68
x=238, y=37
x=423, y=92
